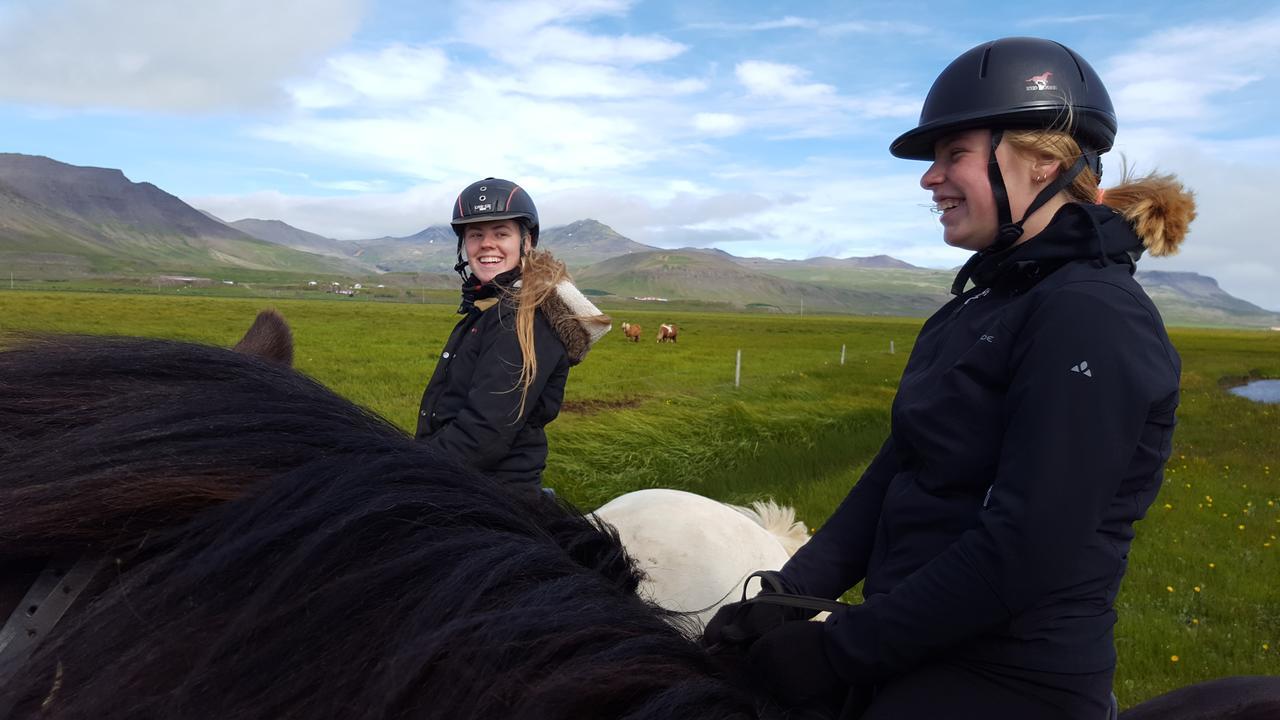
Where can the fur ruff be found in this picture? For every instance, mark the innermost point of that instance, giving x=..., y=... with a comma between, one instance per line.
x=1160, y=209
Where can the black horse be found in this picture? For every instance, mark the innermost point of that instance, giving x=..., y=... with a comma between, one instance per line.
x=258, y=547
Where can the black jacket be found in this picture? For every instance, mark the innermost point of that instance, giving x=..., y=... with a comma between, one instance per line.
x=470, y=406
x=1029, y=433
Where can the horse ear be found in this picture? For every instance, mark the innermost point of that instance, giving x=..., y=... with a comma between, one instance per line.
x=269, y=338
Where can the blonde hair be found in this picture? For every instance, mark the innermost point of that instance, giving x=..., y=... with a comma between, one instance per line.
x=1159, y=206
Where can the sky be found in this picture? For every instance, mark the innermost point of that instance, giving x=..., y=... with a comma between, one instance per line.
x=761, y=128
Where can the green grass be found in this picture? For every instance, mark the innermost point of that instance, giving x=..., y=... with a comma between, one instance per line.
x=800, y=429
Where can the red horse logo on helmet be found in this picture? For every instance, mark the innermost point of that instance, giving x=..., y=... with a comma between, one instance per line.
x=1041, y=81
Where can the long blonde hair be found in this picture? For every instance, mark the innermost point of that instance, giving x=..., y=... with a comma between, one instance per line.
x=1159, y=206
x=539, y=275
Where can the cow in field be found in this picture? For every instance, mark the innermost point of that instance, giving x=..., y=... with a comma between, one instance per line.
x=631, y=332
x=667, y=333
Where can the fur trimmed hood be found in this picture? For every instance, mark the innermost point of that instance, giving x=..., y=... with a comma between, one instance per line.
x=575, y=319
x=1159, y=208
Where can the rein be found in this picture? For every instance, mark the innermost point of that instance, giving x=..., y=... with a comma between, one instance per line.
x=773, y=593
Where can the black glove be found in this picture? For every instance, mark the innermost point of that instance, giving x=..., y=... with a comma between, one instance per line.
x=791, y=662
x=740, y=623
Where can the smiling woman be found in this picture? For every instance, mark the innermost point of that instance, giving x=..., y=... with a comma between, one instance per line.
x=501, y=375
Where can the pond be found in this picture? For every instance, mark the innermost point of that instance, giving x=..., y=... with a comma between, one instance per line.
x=1265, y=391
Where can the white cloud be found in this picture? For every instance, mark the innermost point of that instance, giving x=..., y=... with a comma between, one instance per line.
x=566, y=44
x=162, y=55
x=1179, y=74
x=821, y=26
x=575, y=80
x=356, y=217
x=480, y=131
x=720, y=124
x=526, y=31
x=395, y=74
x=782, y=82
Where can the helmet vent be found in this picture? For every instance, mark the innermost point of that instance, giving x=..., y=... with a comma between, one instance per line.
x=982, y=69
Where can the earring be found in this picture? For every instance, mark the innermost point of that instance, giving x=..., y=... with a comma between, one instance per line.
x=1039, y=178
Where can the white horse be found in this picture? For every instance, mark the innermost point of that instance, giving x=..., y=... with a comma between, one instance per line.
x=696, y=552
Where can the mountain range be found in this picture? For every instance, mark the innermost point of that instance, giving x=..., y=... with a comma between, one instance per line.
x=60, y=220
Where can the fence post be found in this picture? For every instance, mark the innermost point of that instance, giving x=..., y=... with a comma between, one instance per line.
x=737, y=370
x=842, y=354
x=890, y=347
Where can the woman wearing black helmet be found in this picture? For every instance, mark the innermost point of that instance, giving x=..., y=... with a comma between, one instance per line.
x=1028, y=434
x=501, y=376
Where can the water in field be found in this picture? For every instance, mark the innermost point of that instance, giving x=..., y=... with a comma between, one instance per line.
x=1264, y=391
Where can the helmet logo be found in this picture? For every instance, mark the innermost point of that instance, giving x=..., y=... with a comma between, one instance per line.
x=1041, y=81
x=482, y=208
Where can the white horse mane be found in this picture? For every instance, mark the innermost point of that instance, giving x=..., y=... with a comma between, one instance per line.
x=779, y=520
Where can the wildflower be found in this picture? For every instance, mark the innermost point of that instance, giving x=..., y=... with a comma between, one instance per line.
x=1195, y=621
x=1173, y=658
x=1239, y=527
x=1196, y=588
x=1169, y=588
x=1167, y=506
x=1266, y=646
x=1212, y=566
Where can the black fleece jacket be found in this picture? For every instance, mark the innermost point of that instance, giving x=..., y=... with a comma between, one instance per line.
x=470, y=408
x=1029, y=433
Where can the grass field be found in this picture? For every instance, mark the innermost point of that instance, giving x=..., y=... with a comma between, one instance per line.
x=1199, y=600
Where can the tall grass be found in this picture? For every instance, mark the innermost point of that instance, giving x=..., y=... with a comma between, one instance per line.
x=1199, y=600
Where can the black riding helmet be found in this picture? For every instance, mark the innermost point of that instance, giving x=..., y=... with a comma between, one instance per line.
x=493, y=199
x=1015, y=83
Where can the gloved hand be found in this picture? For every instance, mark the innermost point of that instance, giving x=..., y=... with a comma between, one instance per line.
x=740, y=623
x=791, y=662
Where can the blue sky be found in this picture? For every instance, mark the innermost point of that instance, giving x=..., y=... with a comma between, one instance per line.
x=758, y=127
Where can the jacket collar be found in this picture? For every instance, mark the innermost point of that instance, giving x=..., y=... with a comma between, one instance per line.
x=1076, y=232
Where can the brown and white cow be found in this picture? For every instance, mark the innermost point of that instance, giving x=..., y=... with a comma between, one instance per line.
x=631, y=332
x=667, y=333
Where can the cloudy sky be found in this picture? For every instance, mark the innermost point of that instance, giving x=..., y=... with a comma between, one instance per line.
x=758, y=127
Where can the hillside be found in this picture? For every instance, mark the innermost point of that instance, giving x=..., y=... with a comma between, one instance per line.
x=61, y=222
x=1188, y=298
x=685, y=274
x=59, y=218
x=586, y=242
x=281, y=233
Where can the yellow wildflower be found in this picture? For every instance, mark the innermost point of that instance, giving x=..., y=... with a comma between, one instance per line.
x=1173, y=658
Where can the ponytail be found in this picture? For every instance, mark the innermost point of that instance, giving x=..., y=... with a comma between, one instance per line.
x=1159, y=207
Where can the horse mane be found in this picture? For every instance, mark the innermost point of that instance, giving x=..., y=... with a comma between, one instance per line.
x=279, y=552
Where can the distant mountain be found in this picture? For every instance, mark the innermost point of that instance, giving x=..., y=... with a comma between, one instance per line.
x=281, y=233
x=826, y=263
x=56, y=217
x=433, y=249
x=1188, y=298
x=60, y=220
x=588, y=241
x=693, y=274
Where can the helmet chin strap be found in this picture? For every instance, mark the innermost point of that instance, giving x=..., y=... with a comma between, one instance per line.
x=1009, y=231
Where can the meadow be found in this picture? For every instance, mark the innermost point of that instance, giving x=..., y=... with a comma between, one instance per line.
x=1198, y=602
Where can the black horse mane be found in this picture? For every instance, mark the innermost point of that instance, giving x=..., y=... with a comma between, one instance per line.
x=278, y=552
